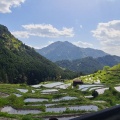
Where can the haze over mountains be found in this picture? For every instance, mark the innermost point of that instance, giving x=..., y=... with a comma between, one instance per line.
x=67, y=51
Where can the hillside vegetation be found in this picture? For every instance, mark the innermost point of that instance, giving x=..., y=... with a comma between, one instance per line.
x=109, y=76
x=20, y=63
x=89, y=65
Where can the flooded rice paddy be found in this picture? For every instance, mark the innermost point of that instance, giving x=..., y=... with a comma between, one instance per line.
x=55, y=97
x=11, y=110
x=84, y=107
x=35, y=100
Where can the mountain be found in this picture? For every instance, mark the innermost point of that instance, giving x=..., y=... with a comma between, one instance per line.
x=89, y=65
x=20, y=63
x=67, y=51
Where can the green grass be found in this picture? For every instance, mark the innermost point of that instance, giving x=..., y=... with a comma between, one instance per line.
x=18, y=102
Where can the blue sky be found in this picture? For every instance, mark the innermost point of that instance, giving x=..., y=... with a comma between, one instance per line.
x=85, y=23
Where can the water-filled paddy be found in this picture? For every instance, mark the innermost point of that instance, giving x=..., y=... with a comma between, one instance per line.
x=101, y=90
x=11, y=110
x=84, y=107
x=65, y=98
x=35, y=100
x=18, y=95
x=89, y=86
x=52, y=85
x=23, y=90
x=56, y=97
x=49, y=91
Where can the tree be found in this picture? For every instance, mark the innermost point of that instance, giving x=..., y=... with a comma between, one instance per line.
x=94, y=93
x=106, y=68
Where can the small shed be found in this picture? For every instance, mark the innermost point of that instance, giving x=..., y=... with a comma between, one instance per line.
x=77, y=82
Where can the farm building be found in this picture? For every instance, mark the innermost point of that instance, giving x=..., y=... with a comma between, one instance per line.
x=77, y=82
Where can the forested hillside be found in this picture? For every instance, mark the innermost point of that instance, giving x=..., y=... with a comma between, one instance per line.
x=89, y=65
x=109, y=75
x=20, y=63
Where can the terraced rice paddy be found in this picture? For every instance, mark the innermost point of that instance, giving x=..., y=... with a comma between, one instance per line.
x=52, y=99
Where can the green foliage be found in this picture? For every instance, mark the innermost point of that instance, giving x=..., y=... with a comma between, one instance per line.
x=27, y=118
x=20, y=63
x=15, y=101
x=3, y=102
x=106, y=68
x=56, y=96
x=83, y=66
x=109, y=75
x=89, y=65
x=18, y=102
x=3, y=114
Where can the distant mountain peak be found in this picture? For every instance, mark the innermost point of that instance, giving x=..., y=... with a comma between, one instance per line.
x=64, y=50
x=59, y=43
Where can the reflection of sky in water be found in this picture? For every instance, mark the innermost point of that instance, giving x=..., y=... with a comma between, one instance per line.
x=65, y=98
x=18, y=95
x=49, y=91
x=35, y=100
x=117, y=88
x=47, y=105
x=86, y=87
x=94, y=88
x=84, y=107
x=64, y=86
x=101, y=91
x=36, y=86
x=51, y=85
x=23, y=90
x=11, y=110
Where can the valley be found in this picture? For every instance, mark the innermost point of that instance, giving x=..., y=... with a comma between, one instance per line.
x=33, y=87
x=61, y=98
x=59, y=60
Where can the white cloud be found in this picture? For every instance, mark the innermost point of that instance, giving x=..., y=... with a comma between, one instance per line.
x=21, y=34
x=44, y=30
x=83, y=44
x=6, y=5
x=35, y=47
x=50, y=42
x=109, y=36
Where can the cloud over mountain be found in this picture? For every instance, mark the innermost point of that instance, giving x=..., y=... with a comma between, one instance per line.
x=43, y=30
x=83, y=44
x=109, y=36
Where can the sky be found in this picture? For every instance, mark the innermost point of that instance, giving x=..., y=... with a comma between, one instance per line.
x=85, y=23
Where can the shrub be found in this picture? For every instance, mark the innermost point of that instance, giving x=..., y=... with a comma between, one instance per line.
x=27, y=117
x=15, y=101
x=3, y=102
x=94, y=93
